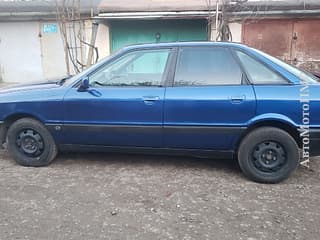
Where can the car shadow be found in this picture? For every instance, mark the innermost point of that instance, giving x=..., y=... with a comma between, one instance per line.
x=227, y=167
x=230, y=165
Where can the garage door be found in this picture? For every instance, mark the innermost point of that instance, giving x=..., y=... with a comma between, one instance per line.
x=293, y=40
x=124, y=33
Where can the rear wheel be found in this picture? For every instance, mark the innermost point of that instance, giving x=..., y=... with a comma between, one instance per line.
x=268, y=155
x=30, y=143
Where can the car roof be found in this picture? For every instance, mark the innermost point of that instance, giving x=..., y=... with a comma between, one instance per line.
x=185, y=44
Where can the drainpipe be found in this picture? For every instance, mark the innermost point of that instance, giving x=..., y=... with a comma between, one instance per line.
x=217, y=19
x=92, y=43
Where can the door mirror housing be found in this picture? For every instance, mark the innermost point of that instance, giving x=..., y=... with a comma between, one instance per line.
x=85, y=85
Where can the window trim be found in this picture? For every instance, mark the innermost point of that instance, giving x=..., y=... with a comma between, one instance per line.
x=116, y=58
x=244, y=78
x=249, y=79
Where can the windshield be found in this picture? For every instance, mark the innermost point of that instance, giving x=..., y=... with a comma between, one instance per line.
x=72, y=79
x=301, y=74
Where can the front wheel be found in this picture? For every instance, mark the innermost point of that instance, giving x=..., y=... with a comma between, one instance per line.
x=30, y=143
x=268, y=155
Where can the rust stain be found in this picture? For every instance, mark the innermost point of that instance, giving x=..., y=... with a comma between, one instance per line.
x=271, y=36
x=307, y=44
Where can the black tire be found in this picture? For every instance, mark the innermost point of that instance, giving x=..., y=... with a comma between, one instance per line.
x=268, y=155
x=30, y=143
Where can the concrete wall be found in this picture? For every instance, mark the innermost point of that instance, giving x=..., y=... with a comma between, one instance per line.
x=235, y=28
x=102, y=40
x=236, y=31
x=20, y=52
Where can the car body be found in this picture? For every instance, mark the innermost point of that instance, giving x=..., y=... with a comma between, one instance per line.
x=198, y=98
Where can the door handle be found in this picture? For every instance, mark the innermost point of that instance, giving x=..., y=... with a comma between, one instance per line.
x=238, y=99
x=150, y=98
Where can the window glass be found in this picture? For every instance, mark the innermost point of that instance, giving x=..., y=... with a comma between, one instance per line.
x=207, y=66
x=303, y=75
x=140, y=68
x=258, y=72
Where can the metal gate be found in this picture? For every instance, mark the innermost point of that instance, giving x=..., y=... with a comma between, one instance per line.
x=296, y=41
x=141, y=31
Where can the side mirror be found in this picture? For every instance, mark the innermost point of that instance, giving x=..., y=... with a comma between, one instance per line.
x=84, y=86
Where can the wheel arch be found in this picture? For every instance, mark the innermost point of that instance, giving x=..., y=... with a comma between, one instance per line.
x=286, y=126
x=11, y=119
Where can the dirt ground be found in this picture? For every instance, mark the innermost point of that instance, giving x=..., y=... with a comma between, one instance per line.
x=117, y=196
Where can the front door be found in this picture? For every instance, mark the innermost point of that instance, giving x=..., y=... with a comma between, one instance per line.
x=124, y=104
x=209, y=104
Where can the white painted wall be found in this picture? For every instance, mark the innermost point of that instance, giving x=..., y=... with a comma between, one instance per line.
x=235, y=28
x=103, y=40
x=20, y=52
x=213, y=31
x=236, y=31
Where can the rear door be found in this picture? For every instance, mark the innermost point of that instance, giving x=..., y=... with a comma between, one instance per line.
x=276, y=96
x=209, y=102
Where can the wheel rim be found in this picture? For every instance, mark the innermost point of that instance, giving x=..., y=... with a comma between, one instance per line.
x=269, y=156
x=30, y=143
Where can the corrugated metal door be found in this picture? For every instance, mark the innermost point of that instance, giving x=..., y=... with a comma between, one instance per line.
x=20, y=52
x=53, y=55
x=131, y=32
x=293, y=40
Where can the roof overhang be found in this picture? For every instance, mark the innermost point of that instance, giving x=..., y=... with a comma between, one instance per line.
x=234, y=15
x=156, y=15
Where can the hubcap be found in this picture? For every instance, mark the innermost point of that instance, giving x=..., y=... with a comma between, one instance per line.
x=30, y=143
x=269, y=156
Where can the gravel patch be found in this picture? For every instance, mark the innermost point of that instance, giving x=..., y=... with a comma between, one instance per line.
x=119, y=196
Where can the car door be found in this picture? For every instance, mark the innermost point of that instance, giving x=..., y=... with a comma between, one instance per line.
x=277, y=97
x=209, y=102
x=124, y=104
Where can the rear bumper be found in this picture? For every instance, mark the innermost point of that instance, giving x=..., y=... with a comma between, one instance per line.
x=315, y=142
x=2, y=134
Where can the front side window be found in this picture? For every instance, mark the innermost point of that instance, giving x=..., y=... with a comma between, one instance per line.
x=139, y=68
x=258, y=72
x=205, y=66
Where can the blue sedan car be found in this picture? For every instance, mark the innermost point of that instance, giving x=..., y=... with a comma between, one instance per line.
x=196, y=98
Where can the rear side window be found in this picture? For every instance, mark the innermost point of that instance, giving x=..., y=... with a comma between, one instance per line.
x=207, y=66
x=258, y=72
